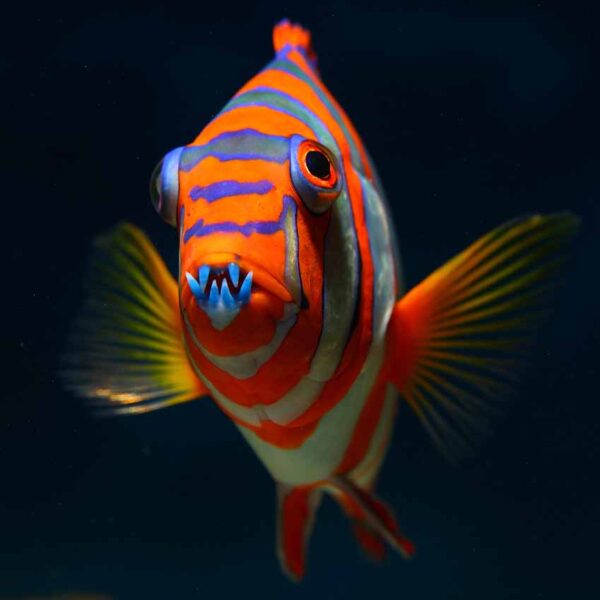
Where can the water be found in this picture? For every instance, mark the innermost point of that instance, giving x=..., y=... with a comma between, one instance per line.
x=473, y=115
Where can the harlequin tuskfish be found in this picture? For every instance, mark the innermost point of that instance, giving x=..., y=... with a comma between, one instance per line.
x=289, y=309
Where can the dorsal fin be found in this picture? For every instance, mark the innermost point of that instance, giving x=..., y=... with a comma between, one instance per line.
x=287, y=35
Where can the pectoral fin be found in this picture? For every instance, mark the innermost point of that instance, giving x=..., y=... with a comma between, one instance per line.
x=456, y=340
x=126, y=351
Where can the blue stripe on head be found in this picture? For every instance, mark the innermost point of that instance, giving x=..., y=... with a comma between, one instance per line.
x=244, y=144
x=199, y=229
x=227, y=188
x=287, y=66
x=265, y=97
x=283, y=52
x=284, y=103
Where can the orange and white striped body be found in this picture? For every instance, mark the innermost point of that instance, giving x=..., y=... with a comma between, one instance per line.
x=299, y=367
x=288, y=309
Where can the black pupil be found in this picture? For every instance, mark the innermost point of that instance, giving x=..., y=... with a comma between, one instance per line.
x=318, y=164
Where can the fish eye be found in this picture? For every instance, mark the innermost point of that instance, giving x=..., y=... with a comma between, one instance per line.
x=164, y=186
x=318, y=164
x=315, y=174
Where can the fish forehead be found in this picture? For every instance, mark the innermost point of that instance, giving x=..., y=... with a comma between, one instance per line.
x=286, y=98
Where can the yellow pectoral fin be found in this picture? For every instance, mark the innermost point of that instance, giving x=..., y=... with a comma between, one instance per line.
x=126, y=351
x=456, y=340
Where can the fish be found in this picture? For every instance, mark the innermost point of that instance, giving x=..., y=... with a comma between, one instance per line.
x=289, y=308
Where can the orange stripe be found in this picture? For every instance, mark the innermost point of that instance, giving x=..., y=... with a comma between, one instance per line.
x=261, y=118
x=370, y=468
x=236, y=209
x=276, y=435
x=273, y=380
x=295, y=515
x=365, y=427
x=239, y=337
x=210, y=170
x=298, y=59
x=302, y=91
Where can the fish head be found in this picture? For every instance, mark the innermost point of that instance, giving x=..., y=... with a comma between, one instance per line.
x=252, y=212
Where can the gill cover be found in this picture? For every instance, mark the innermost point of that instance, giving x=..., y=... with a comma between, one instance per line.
x=164, y=186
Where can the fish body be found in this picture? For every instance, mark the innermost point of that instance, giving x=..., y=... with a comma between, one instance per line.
x=318, y=333
x=289, y=310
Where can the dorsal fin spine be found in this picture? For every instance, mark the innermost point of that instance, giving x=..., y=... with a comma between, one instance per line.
x=288, y=35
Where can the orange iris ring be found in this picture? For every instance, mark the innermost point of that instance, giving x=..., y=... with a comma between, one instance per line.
x=325, y=184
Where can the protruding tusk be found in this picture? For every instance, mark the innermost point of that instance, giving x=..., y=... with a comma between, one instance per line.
x=234, y=273
x=244, y=293
x=203, y=273
x=228, y=299
x=213, y=298
x=195, y=287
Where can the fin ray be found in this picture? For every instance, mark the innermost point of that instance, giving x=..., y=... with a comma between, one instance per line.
x=292, y=35
x=458, y=339
x=296, y=509
x=372, y=515
x=126, y=351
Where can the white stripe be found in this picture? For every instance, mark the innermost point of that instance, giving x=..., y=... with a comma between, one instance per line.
x=340, y=290
x=380, y=243
x=250, y=416
x=321, y=453
x=245, y=365
x=368, y=468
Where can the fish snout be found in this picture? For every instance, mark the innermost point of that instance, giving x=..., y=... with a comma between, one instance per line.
x=221, y=291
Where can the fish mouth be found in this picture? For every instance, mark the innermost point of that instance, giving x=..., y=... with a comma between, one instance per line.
x=223, y=285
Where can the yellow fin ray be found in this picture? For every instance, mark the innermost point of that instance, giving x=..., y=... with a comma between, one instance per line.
x=126, y=353
x=457, y=340
x=547, y=232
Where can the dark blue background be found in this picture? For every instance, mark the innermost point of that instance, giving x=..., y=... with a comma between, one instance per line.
x=474, y=112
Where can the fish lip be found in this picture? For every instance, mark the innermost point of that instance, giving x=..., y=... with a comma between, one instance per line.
x=261, y=278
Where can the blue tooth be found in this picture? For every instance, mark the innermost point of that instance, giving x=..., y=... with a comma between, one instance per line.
x=228, y=299
x=213, y=299
x=244, y=293
x=195, y=287
x=203, y=274
x=234, y=273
